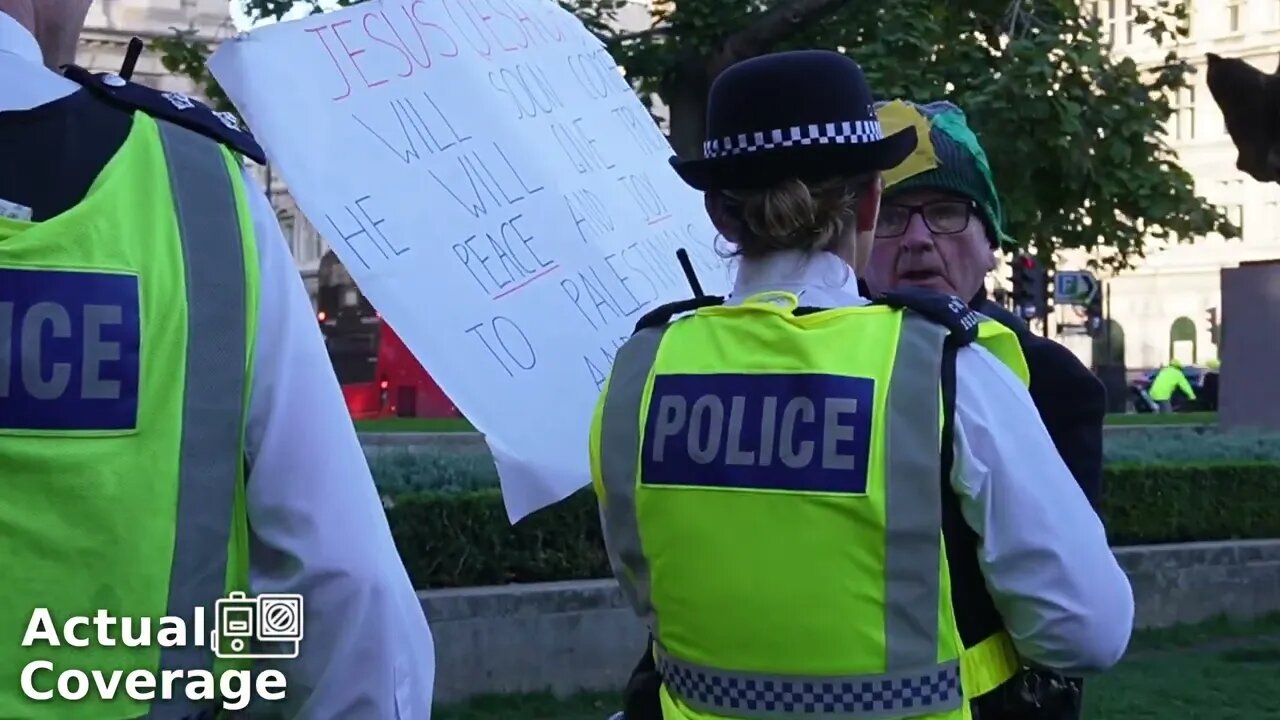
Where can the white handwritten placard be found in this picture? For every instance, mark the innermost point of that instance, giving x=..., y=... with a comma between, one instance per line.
x=497, y=191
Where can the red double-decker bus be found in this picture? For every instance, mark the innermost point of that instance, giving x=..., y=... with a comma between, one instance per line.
x=378, y=374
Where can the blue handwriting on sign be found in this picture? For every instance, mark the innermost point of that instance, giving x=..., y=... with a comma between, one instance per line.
x=69, y=350
x=798, y=432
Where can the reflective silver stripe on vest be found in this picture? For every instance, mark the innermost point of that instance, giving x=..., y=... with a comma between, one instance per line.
x=213, y=408
x=620, y=434
x=915, y=683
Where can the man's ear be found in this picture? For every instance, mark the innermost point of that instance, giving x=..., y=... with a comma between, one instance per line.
x=727, y=225
x=867, y=205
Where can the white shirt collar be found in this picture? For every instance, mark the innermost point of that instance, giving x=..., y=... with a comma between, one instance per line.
x=820, y=279
x=25, y=82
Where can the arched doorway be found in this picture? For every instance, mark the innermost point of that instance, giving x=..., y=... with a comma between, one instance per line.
x=1108, y=345
x=1182, y=340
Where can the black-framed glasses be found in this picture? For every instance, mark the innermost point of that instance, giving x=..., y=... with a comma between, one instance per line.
x=942, y=217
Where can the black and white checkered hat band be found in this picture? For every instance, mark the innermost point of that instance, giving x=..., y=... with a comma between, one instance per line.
x=854, y=132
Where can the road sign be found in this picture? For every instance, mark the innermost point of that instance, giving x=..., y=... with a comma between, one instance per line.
x=1074, y=287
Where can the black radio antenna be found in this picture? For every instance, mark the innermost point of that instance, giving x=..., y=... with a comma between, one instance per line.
x=683, y=256
x=131, y=58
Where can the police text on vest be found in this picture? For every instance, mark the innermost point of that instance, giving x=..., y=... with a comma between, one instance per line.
x=69, y=350
x=799, y=432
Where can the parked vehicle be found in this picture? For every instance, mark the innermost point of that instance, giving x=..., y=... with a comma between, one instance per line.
x=380, y=377
x=1203, y=380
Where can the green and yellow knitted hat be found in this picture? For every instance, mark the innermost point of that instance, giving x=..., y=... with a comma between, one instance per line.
x=947, y=157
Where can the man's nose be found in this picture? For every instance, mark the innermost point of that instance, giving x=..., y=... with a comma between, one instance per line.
x=917, y=238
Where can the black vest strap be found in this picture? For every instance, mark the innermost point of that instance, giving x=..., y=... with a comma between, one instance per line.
x=946, y=310
x=662, y=314
x=975, y=611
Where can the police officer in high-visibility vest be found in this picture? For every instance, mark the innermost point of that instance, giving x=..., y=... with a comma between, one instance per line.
x=171, y=430
x=773, y=469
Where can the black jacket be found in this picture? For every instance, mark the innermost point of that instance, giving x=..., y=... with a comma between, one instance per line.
x=1072, y=400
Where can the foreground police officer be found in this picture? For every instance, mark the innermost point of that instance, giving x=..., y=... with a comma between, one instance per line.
x=170, y=427
x=774, y=471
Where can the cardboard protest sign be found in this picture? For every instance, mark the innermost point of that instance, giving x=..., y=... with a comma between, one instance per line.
x=496, y=190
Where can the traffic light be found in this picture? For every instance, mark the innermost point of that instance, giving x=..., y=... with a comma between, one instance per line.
x=1093, y=314
x=1211, y=315
x=1030, y=288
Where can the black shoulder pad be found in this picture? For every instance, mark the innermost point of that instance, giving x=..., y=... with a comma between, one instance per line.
x=662, y=314
x=179, y=109
x=946, y=310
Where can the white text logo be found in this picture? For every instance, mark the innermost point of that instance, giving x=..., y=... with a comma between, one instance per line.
x=263, y=627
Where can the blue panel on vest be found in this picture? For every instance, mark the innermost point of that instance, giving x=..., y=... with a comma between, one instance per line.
x=69, y=350
x=806, y=433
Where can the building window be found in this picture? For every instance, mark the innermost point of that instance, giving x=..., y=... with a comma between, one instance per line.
x=287, y=230
x=1235, y=15
x=1232, y=194
x=1130, y=21
x=1105, y=12
x=1184, y=114
x=317, y=243
x=1271, y=219
x=1186, y=26
x=1235, y=213
x=1182, y=341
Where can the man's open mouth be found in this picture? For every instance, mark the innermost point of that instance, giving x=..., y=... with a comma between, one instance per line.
x=918, y=275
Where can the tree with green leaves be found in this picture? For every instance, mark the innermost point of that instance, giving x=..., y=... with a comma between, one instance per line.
x=1075, y=136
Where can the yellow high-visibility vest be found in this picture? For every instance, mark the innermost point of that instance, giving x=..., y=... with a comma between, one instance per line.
x=769, y=490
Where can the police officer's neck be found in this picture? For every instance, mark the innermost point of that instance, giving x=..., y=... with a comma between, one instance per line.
x=23, y=11
x=51, y=23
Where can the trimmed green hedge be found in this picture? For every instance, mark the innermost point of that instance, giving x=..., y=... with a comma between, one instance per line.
x=462, y=469
x=462, y=538
x=1158, y=446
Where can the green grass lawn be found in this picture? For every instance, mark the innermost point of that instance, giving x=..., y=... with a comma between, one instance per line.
x=1188, y=418
x=1214, y=671
x=395, y=425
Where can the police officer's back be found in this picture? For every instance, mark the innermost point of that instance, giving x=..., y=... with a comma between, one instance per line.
x=170, y=428
x=773, y=469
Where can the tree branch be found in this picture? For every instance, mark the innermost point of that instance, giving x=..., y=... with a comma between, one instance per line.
x=775, y=24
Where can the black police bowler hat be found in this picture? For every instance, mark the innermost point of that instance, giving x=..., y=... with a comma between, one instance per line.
x=805, y=114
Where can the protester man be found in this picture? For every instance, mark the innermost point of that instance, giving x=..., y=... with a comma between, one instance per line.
x=940, y=226
x=171, y=430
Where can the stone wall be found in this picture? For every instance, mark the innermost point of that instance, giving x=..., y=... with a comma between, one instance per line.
x=581, y=635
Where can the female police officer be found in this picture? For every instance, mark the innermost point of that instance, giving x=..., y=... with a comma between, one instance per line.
x=774, y=471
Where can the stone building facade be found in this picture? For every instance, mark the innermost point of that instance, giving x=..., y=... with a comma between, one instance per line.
x=1164, y=307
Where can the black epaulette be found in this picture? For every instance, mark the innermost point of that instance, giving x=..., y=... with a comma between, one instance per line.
x=179, y=109
x=947, y=310
x=662, y=314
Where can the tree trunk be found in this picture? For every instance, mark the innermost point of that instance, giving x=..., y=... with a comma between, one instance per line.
x=685, y=88
x=686, y=96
